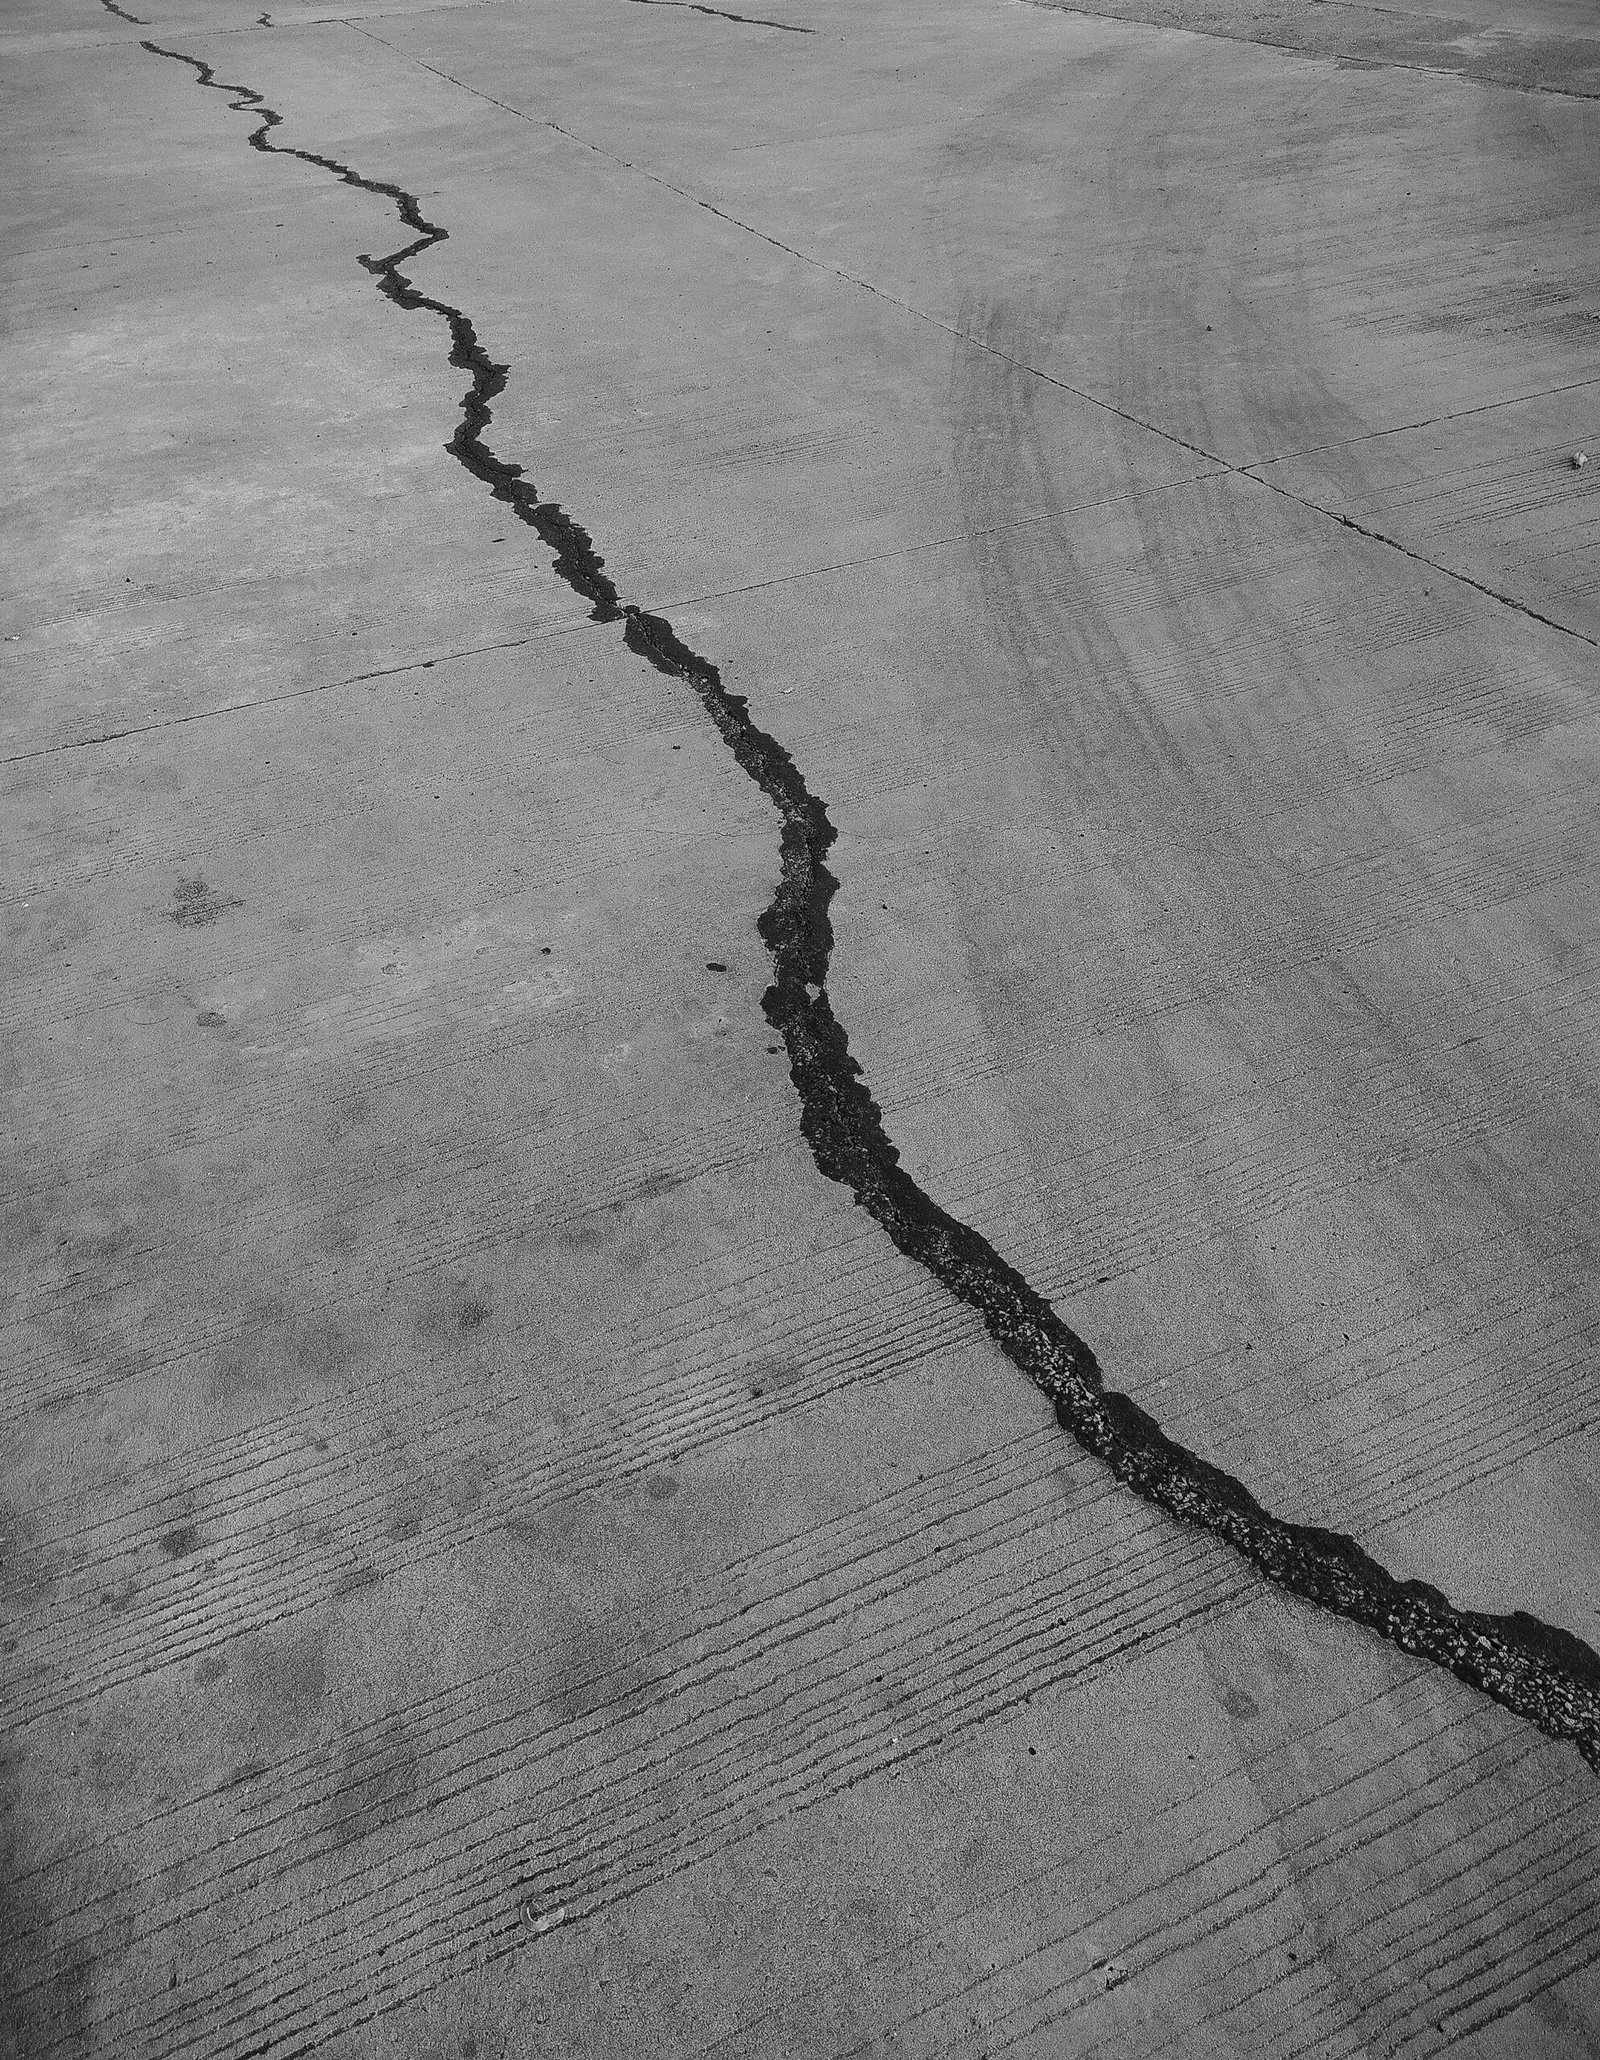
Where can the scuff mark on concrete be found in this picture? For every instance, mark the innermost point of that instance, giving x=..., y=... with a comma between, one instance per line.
x=194, y=904
x=1544, y=1674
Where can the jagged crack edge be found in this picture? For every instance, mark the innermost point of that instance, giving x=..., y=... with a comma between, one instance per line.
x=1542, y=1673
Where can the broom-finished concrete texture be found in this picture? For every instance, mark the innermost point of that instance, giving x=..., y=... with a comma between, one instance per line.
x=504, y=1557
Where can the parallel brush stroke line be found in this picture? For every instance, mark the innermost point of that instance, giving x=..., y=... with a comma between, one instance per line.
x=1542, y=1673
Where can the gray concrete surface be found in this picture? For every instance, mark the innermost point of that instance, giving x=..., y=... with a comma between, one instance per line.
x=500, y=1556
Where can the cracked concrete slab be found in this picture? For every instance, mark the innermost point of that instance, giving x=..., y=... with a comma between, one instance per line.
x=524, y=1531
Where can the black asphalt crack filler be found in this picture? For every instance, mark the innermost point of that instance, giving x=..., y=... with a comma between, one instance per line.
x=1542, y=1673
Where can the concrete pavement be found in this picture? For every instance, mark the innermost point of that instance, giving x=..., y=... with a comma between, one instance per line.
x=503, y=1556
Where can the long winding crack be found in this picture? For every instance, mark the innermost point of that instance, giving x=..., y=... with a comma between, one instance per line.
x=1542, y=1673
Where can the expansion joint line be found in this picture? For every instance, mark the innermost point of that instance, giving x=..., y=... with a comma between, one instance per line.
x=1545, y=1674
x=1378, y=536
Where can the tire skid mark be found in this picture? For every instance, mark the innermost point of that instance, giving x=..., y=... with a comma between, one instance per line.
x=1212, y=458
x=1542, y=1673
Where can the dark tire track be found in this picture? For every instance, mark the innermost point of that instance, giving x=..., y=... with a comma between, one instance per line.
x=1542, y=1673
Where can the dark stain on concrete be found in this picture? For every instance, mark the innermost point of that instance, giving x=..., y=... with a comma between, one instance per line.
x=406, y=1518
x=27, y=1578
x=194, y=904
x=592, y=1670
x=558, y=1530
x=463, y=1487
x=272, y=1692
x=279, y=1350
x=179, y=1543
x=70, y=1993
x=378, y=1781
x=453, y=1309
x=772, y=1376
x=47, y=1982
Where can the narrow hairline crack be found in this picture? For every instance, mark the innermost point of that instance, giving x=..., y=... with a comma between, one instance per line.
x=754, y=21
x=1343, y=443
x=1250, y=472
x=1542, y=1673
x=265, y=701
x=1378, y=536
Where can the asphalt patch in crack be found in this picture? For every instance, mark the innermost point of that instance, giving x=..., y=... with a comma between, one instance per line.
x=1544, y=1674
x=122, y=14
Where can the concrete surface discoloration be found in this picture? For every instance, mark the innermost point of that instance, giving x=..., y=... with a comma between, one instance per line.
x=507, y=1560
